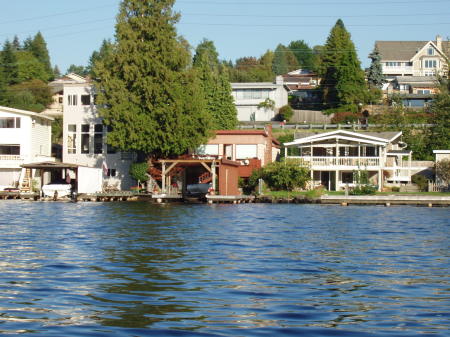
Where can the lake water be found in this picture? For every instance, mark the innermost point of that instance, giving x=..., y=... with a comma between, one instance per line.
x=137, y=269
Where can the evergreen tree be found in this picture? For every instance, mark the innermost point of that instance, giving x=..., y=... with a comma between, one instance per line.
x=284, y=60
x=148, y=96
x=343, y=83
x=56, y=72
x=303, y=53
x=16, y=43
x=38, y=47
x=440, y=112
x=216, y=86
x=8, y=62
x=105, y=50
x=79, y=70
x=375, y=77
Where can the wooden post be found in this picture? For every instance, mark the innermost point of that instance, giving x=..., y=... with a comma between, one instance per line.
x=163, y=178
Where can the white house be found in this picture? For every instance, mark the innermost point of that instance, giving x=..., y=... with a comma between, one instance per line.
x=84, y=137
x=333, y=157
x=25, y=137
x=247, y=97
x=414, y=58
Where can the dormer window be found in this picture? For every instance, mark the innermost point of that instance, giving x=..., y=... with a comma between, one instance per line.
x=430, y=51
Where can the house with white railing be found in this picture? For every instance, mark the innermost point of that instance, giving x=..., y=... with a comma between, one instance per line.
x=25, y=138
x=335, y=157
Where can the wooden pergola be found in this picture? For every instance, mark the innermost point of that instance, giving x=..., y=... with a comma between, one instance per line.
x=169, y=164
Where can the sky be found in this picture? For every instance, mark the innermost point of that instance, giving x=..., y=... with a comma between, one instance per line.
x=74, y=29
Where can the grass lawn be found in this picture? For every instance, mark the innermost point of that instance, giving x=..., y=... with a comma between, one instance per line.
x=292, y=194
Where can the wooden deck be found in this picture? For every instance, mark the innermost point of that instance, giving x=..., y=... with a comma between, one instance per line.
x=387, y=200
x=233, y=199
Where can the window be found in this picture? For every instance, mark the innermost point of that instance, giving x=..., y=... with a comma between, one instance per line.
x=98, y=138
x=10, y=150
x=246, y=151
x=429, y=73
x=424, y=91
x=347, y=177
x=85, y=99
x=253, y=93
x=60, y=100
x=10, y=123
x=72, y=138
x=393, y=64
x=430, y=51
x=72, y=99
x=85, y=138
x=209, y=149
x=430, y=63
x=111, y=173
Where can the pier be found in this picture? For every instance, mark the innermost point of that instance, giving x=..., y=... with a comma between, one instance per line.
x=387, y=200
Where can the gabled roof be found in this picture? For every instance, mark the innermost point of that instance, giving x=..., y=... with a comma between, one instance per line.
x=403, y=50
x=25, y=112
x=379, y=138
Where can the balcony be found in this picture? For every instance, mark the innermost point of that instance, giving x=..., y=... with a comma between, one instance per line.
x=11, y=161
x=340, y=162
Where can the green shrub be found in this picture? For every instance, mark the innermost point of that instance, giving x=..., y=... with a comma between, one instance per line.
x=363, y=190
x=139, y=171
x=285, y=113
x=421, y=181
x=395, y=189
x=285, y=175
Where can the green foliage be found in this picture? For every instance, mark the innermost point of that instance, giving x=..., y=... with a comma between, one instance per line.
x=57, y=130
x=106, y=49
x=375, y=76
x=267, y=104
x=303, y=53
x=363, y=190
x=285, y=175
x=345, y=117
x=251, y=69
x=139, y=171
x=9, y=70
x=79, y=70
x=148, y=94
x=29, y=67
x=216, y=86
x=421, y=181
x=38, y=47
x=285, y=113
x=440, y=117
x=343, y=80
x=442, y=169
x=284, y=60
x=33, y=95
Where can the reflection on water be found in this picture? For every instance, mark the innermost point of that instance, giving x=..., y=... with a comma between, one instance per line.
x=133, y=269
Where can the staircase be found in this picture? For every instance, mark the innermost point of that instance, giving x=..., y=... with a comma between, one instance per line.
x=26, y=182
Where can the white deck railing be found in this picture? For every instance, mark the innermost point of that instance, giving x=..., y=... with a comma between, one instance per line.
x=10, y=157
x=340, y=161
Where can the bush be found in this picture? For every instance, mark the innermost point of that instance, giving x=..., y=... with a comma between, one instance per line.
x=363, y=190
x=345, y=117
x=139, y=171
x=285, y=113
x=285, y=175
x=421, y=181
x=395, y=189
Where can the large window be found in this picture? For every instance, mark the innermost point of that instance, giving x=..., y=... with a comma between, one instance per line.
x=85, y=99
x=9, y=122
x=246, y=151
x=12, y=150
x=430, y=64
x=347, y=177
x=71, y=138
x=85, y=138
x=98, y=138
x=72, y=100
x=209, y=149
x=252, y=93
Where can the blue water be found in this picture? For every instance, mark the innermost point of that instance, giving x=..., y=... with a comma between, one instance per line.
x=136, y=269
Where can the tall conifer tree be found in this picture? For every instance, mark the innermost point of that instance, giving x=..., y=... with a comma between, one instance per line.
x=375, y=76
x=146, y=92
x=8, y=63
x=216, y=86
x=343, y=82
x=303, y=54
x=284, y=60
x=38, y=47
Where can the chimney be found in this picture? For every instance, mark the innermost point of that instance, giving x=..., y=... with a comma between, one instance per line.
x=439, y=42
x=268, y=150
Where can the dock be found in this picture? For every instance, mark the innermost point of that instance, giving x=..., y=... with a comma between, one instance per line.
x=231, y=199
x=387, y=200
